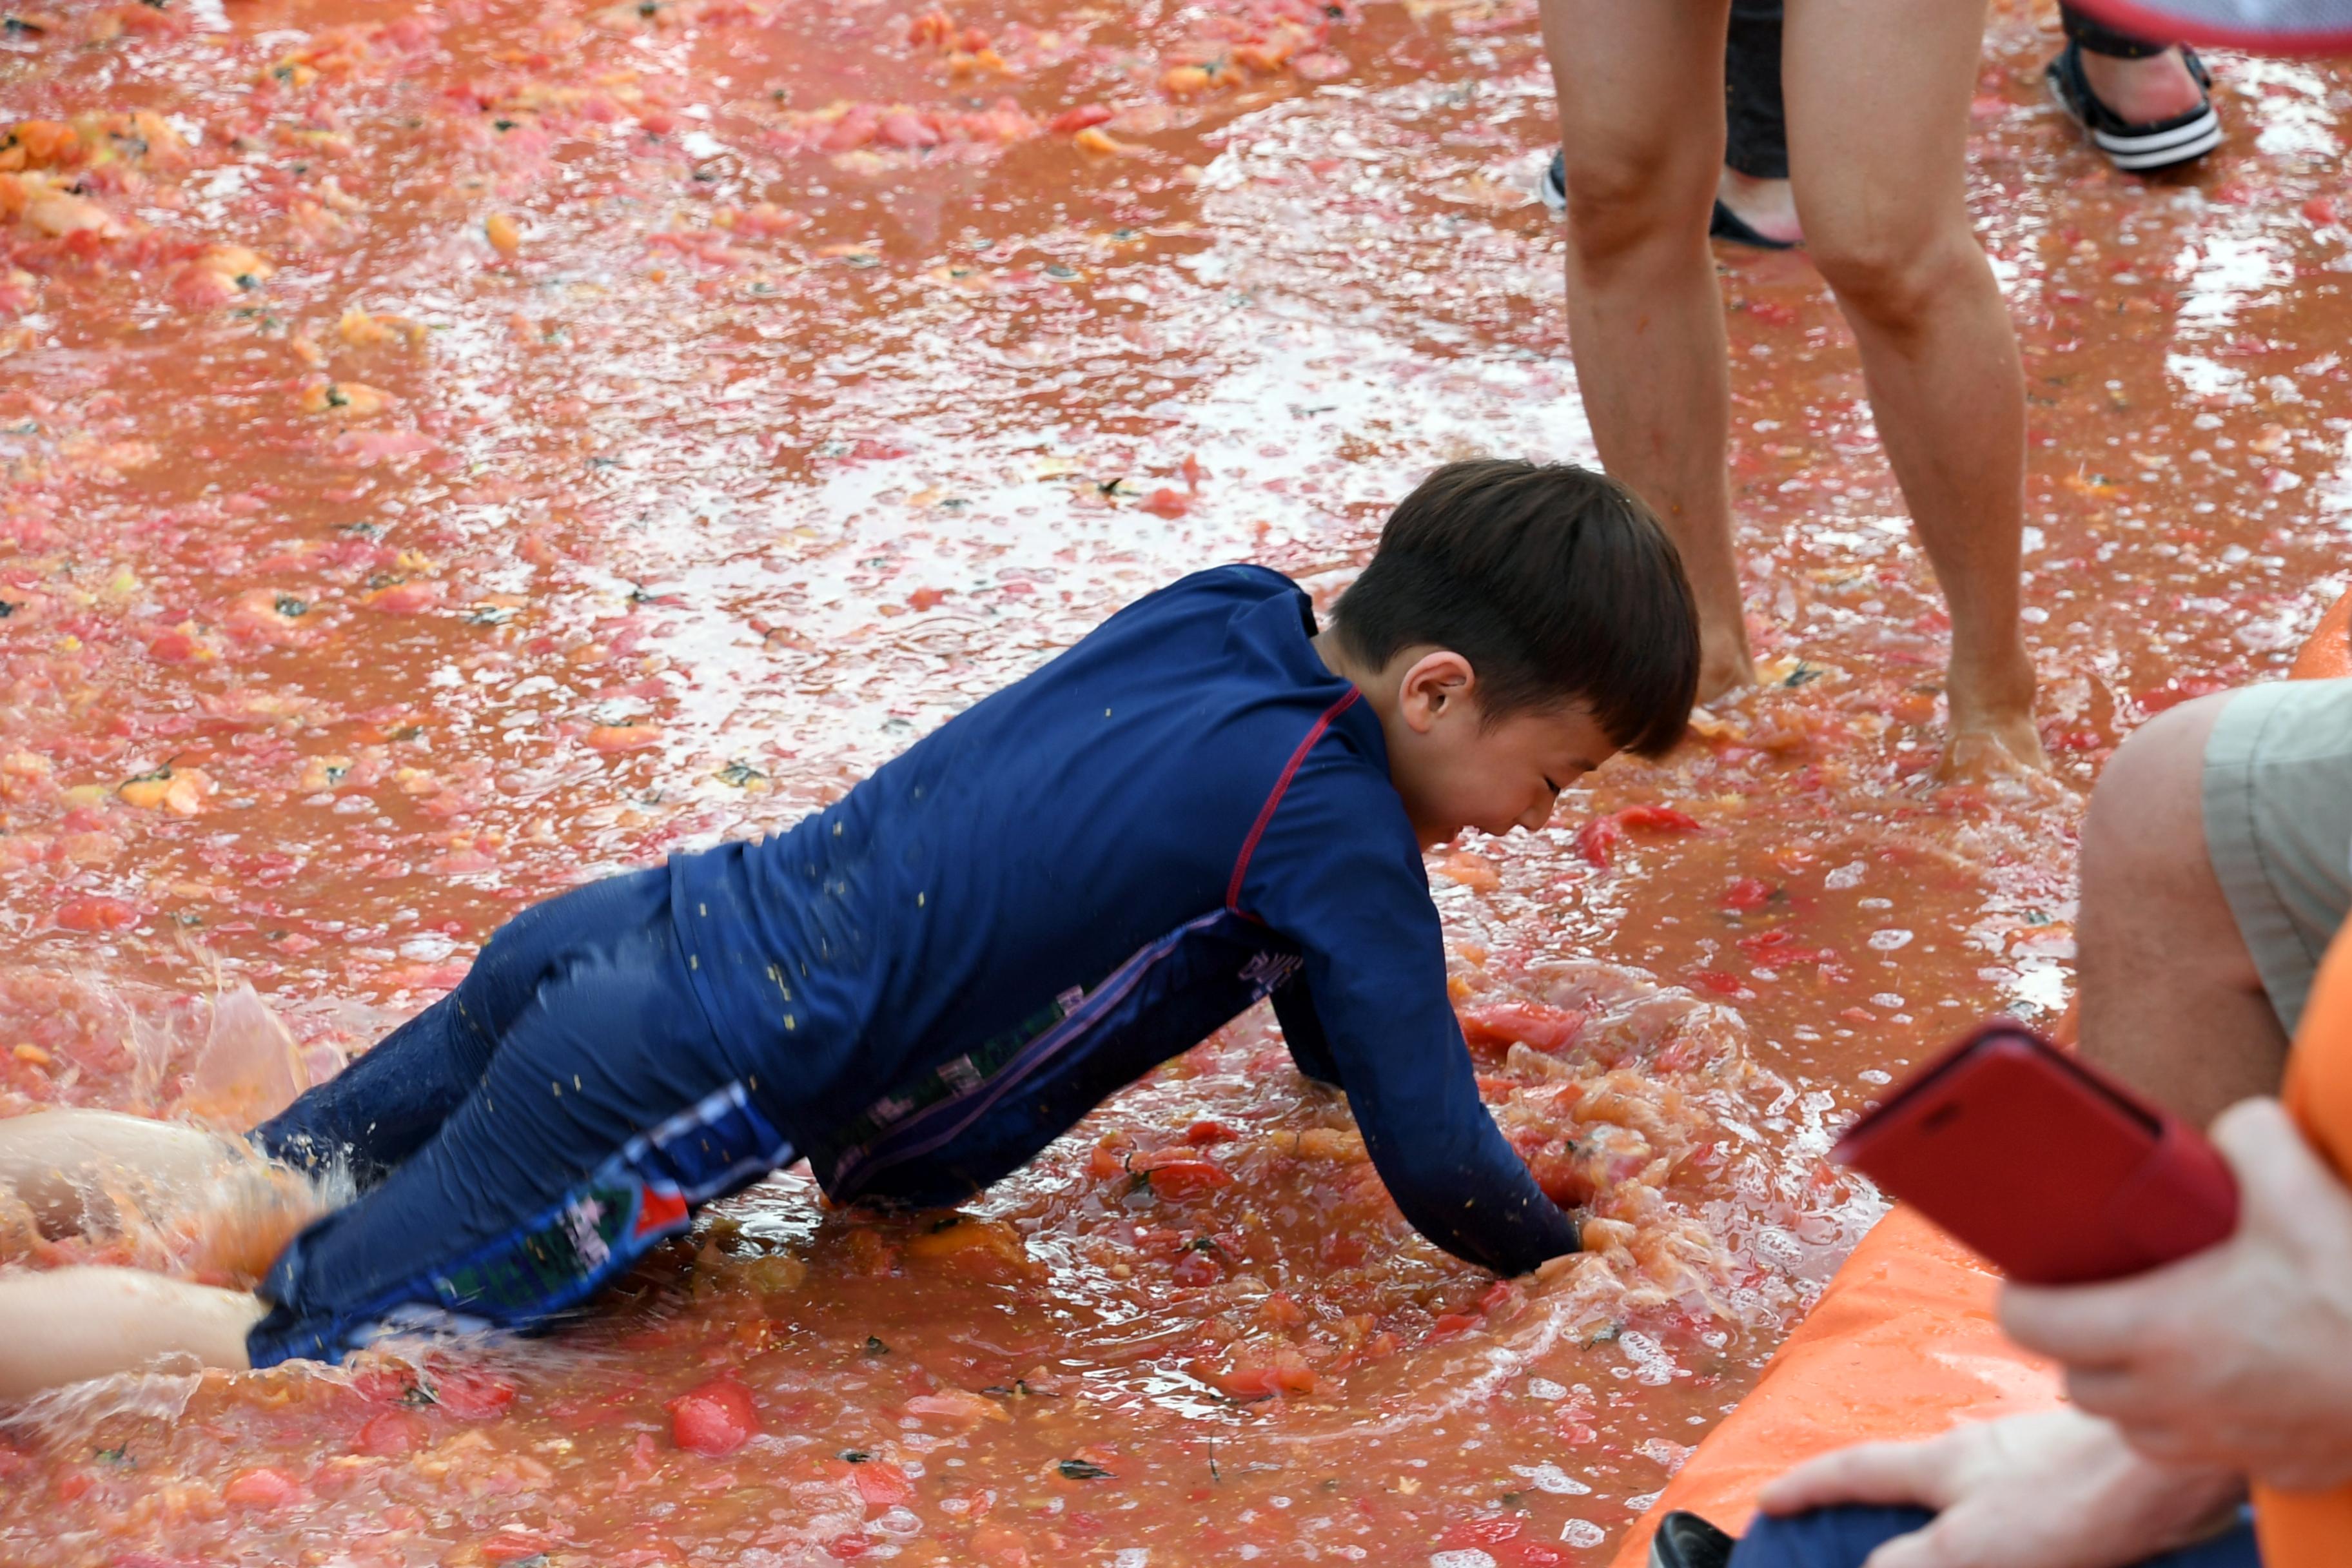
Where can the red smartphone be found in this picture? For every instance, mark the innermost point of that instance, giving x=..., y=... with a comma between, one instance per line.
x=2048, y=1167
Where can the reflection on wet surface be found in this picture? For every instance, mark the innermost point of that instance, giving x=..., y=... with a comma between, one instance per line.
x=456, y=449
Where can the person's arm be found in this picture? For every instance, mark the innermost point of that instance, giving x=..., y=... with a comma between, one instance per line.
x=1337, y=872
x=2241, y=1355
x=1302, y=1031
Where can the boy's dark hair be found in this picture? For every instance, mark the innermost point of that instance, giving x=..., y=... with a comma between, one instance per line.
x=1556, y=582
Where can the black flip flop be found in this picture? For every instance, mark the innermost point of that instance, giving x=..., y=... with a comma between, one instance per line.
x=1729, y=224
x=2133, y=147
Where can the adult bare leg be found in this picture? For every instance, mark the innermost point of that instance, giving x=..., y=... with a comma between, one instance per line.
x=1878, y=115
x=2171, y=998
x=60, y=1161
x=1640, y=110
x=67, y=1325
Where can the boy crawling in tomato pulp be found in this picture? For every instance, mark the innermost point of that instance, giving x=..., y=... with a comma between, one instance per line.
x=1205, y=801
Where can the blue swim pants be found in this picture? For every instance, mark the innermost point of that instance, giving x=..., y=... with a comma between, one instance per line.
x=1845, y=1537
x=521, y=1141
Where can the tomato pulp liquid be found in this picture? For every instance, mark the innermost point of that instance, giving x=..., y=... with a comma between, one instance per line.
x=456, y=449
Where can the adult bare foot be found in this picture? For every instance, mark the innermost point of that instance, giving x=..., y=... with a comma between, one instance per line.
x=1767, y=206
x=1725, y=665
x=1993, y=730
x=2008, y=749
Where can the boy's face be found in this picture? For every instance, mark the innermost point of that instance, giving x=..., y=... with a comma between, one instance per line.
x=1455, y=771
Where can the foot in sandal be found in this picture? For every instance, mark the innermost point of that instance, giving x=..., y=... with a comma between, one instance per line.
x=2145, y=114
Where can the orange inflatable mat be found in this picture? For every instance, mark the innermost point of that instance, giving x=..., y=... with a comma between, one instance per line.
x=2328, y=653
x=2313, y=1530
x=1903, y=1344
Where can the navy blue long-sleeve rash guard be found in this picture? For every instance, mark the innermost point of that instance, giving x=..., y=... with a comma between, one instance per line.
x=1084, y=875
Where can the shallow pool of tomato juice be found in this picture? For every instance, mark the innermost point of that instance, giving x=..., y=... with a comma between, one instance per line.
x=457, y=450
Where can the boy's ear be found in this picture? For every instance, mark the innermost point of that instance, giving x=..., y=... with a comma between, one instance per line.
x=1432, y=684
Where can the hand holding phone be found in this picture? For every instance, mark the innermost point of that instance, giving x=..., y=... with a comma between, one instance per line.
x=2048, y=1167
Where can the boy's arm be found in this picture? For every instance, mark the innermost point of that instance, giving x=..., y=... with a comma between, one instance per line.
x=1294, y=1009
x=1337, y=872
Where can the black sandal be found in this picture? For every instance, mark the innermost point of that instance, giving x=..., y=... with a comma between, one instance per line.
x=2138, y=149
x=1729, y=224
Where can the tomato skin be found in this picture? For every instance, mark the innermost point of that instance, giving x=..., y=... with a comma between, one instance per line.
x=1598, y=840
x=1341, y=1249
x=901, y=129
x=1503, y=1299
x=379, y=1385
x=94, y=913
x=1747, y=893
x=261, y=1487
x=882, y=1484
x=715, y=1419
x=623, y=737
x=1070, y=121
x=1178, y=1174
x=1197, y=1269
x=471, y=1394
x=1483, y=1532
x=846, y=1547
x=1545, y=1027
x=406, y=598
x=392, y=1433
x=1658, y=819
x=1287, y=1373
x=172, y=648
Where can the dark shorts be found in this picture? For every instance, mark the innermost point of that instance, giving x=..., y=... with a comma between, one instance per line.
x=521, y=1141
x=1845, y=1537
x=1756, y=119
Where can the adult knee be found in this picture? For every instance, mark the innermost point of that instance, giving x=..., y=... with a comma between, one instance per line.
x=1622, y=199
x=2144, y=834
x=1892, y=275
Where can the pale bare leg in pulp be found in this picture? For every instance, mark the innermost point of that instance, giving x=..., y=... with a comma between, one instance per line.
x=63, y=1325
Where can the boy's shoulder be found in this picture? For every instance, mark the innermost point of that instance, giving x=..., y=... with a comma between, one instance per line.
x=1238, y=581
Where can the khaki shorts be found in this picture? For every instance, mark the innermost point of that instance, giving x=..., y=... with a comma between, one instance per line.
x=2278, y=827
